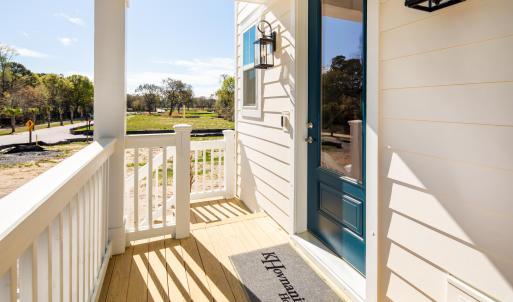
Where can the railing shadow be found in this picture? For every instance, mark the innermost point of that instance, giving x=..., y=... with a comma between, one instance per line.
x=169, y=269
x=212, y=211
x=166, y=269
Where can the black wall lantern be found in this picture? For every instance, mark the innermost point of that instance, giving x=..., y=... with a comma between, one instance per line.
x=430, y=5
x=265, y=47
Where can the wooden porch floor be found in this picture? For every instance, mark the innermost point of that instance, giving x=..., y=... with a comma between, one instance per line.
x=197, y=268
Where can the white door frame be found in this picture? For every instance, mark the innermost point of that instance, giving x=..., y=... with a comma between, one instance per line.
x=300, y=118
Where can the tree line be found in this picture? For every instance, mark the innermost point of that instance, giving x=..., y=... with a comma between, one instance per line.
x=342, y=93
x=40, y=95
x=174, y=95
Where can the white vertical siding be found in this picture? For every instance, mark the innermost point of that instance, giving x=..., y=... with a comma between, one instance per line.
x=447, y=141
x=264, y=150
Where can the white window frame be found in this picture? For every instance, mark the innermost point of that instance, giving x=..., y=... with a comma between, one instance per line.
x=250, y=111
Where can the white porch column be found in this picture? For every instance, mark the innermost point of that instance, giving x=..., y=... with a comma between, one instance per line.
x=110, y=104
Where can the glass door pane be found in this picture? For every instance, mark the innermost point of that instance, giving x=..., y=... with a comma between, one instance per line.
x=342, y=88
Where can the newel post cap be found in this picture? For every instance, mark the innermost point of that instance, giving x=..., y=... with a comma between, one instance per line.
x=182, y=128
x=355, y=122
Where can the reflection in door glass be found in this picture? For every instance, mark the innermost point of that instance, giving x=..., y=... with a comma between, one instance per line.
x=341, y=87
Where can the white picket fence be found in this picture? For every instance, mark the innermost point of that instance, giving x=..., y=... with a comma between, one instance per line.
x=54, y=242
x=154, y=178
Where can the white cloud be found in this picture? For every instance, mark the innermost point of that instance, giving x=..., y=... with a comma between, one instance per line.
x=25, y=34
x=29, y=53
x=68, y=41
x=225, y=64
x=203, y=74
x=74, y=20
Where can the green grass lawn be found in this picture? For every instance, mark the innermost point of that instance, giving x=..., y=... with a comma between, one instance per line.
x=138, y=122
x=197, y=119
x=19, y=129
x=204, y=120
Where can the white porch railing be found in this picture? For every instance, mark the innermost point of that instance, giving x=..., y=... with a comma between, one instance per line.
x=54, y=242
x=160, y=167
x=54, y=231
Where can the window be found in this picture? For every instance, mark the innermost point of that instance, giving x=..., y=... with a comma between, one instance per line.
x=249, y=72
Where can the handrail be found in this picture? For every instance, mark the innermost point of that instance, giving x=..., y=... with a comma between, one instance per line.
x=27, y=211
x=150, y=140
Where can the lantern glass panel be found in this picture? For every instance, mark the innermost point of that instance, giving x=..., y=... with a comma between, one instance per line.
x=264, y=53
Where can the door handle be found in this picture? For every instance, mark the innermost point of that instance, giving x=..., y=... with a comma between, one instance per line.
x=309, y=125
x=309, y=140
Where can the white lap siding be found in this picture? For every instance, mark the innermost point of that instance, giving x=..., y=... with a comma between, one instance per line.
x=447, y=149
x=264, y=150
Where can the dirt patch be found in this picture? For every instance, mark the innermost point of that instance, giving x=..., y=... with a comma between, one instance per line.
x=27, y=157
x=19, y=168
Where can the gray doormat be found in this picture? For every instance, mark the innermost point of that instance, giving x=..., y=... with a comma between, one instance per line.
x=279, y=274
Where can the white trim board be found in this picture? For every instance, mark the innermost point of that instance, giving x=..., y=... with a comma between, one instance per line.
x=300, y=118
x=333, y=267
x=372, y=152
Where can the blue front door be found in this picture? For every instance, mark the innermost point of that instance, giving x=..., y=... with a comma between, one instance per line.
x=336, y=110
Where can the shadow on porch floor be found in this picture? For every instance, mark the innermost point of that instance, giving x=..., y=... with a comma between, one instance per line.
x=197, y=268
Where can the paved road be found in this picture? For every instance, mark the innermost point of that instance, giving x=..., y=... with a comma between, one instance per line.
x=47, y=135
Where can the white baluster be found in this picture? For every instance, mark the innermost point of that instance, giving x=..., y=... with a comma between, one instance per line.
x=204, y=170
x=164, y=186
x=55, y=258
x=81, y=245
x=212, y=155
x=87, y=240
x=28, y=271
x=219, y=168
x=43, y=266
x=75, y=245
x=156, y=190
x=136, y=189
x=8, y=285
x=149, y=186
x=196, y=171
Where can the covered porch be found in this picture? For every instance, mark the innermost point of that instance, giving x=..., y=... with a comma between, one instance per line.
x=196, y=268
x=130, y=217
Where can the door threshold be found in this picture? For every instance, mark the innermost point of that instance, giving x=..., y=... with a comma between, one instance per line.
x=343, y=275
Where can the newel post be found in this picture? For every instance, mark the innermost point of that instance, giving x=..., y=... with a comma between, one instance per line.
x=182, y=180
x=110, y=106
x=229, y=163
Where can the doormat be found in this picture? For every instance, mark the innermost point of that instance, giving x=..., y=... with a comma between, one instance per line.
x=278, y=273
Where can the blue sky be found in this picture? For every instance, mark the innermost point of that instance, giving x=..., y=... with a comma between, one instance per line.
x=341, y=37
x=189, y=40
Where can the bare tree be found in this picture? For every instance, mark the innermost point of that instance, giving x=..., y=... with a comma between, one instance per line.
x=151, y=95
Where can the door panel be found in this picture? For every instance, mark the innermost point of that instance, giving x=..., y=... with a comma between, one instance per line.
x=336, y=178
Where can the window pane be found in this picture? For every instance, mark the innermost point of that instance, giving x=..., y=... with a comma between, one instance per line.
x=248, y=48
x=341, y=87
x=251, y=47
x=249, y=86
